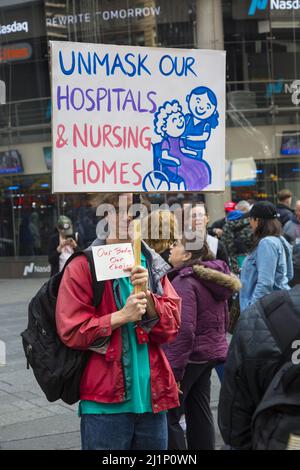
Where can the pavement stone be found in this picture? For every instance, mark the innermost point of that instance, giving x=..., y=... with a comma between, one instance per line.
x=21, y=416
x=66, y=441
x=55, y=425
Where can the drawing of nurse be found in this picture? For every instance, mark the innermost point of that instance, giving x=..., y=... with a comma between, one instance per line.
x=203, y=117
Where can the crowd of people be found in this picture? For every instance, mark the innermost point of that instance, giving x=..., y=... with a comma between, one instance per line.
x=153, y=352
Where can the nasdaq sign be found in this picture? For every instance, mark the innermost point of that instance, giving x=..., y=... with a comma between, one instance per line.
x=274, y=5
x=280, y=87
x=257, y=5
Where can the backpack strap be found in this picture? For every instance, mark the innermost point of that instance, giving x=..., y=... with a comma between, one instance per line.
x=74, y=255
x=98, y=286
x=282, y=320
x=98, y=289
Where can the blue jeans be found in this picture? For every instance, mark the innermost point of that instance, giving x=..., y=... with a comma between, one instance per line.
x=124, y=431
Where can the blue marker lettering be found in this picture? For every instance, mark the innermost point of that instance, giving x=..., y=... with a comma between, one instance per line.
x=118, y=91
x=154, y=105
x=61, y=63
x=129, y=99
x=101, y=97
x=188, y=66
x=118, y=64
x=91, y=99
x=61, y=97
x=86, y=65
x=101, y=63
x=141, y=64
x=72, y=98
x=127, y=60
x=163, y=61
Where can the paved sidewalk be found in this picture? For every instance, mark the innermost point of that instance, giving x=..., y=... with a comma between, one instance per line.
x=27, y=419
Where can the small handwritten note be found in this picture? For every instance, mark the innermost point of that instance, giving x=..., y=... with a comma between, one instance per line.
x=111, y=260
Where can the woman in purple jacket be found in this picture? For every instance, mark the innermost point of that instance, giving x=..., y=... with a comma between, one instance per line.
x=204, y=284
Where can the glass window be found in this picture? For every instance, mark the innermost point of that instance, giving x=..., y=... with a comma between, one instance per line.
x=263, y=98
x=263, y=93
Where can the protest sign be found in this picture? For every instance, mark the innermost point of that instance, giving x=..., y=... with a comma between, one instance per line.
x=111, y=260
x=135, y=119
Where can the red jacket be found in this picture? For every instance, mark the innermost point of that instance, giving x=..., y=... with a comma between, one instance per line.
x=79, y=324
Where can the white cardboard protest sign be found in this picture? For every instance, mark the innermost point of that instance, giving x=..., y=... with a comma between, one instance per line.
x=135, y=119
x=111, y=260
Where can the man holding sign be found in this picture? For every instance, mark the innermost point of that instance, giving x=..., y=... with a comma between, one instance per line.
x=137, y=119
x=127, y=385
x=130, y=119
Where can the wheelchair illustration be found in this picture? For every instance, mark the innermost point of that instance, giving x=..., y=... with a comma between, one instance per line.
x=162, y=176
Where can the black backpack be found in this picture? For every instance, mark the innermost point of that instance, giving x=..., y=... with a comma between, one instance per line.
x=277, y=416
x=57, y=368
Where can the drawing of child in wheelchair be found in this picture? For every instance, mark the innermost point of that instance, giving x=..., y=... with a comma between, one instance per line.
x=174, y=166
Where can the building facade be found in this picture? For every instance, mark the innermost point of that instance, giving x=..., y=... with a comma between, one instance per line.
x=261, y=39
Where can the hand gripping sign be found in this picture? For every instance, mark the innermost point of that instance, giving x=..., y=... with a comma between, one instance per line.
x=135, y=119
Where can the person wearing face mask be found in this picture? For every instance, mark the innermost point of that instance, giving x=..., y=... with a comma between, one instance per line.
x=204, y=284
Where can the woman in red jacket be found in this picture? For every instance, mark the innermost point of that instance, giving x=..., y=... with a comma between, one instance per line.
x=127, y=385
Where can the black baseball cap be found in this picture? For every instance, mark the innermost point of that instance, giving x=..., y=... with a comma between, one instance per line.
x=263, y=210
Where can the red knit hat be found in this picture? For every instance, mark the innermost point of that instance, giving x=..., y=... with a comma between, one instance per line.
x=229, y=206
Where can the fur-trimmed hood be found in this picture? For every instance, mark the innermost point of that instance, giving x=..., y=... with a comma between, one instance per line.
x=215, y=275
x=209, y=273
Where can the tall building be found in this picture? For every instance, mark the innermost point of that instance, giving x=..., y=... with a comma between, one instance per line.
x=261, y=39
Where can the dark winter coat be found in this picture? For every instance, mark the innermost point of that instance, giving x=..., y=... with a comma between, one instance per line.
x=238, y=239
x=253, y=360
x=204, y=288
x=217, y=224
x=285, y=213
x=291, y=231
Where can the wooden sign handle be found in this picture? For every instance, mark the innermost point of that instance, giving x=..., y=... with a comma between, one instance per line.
x=137, y=241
